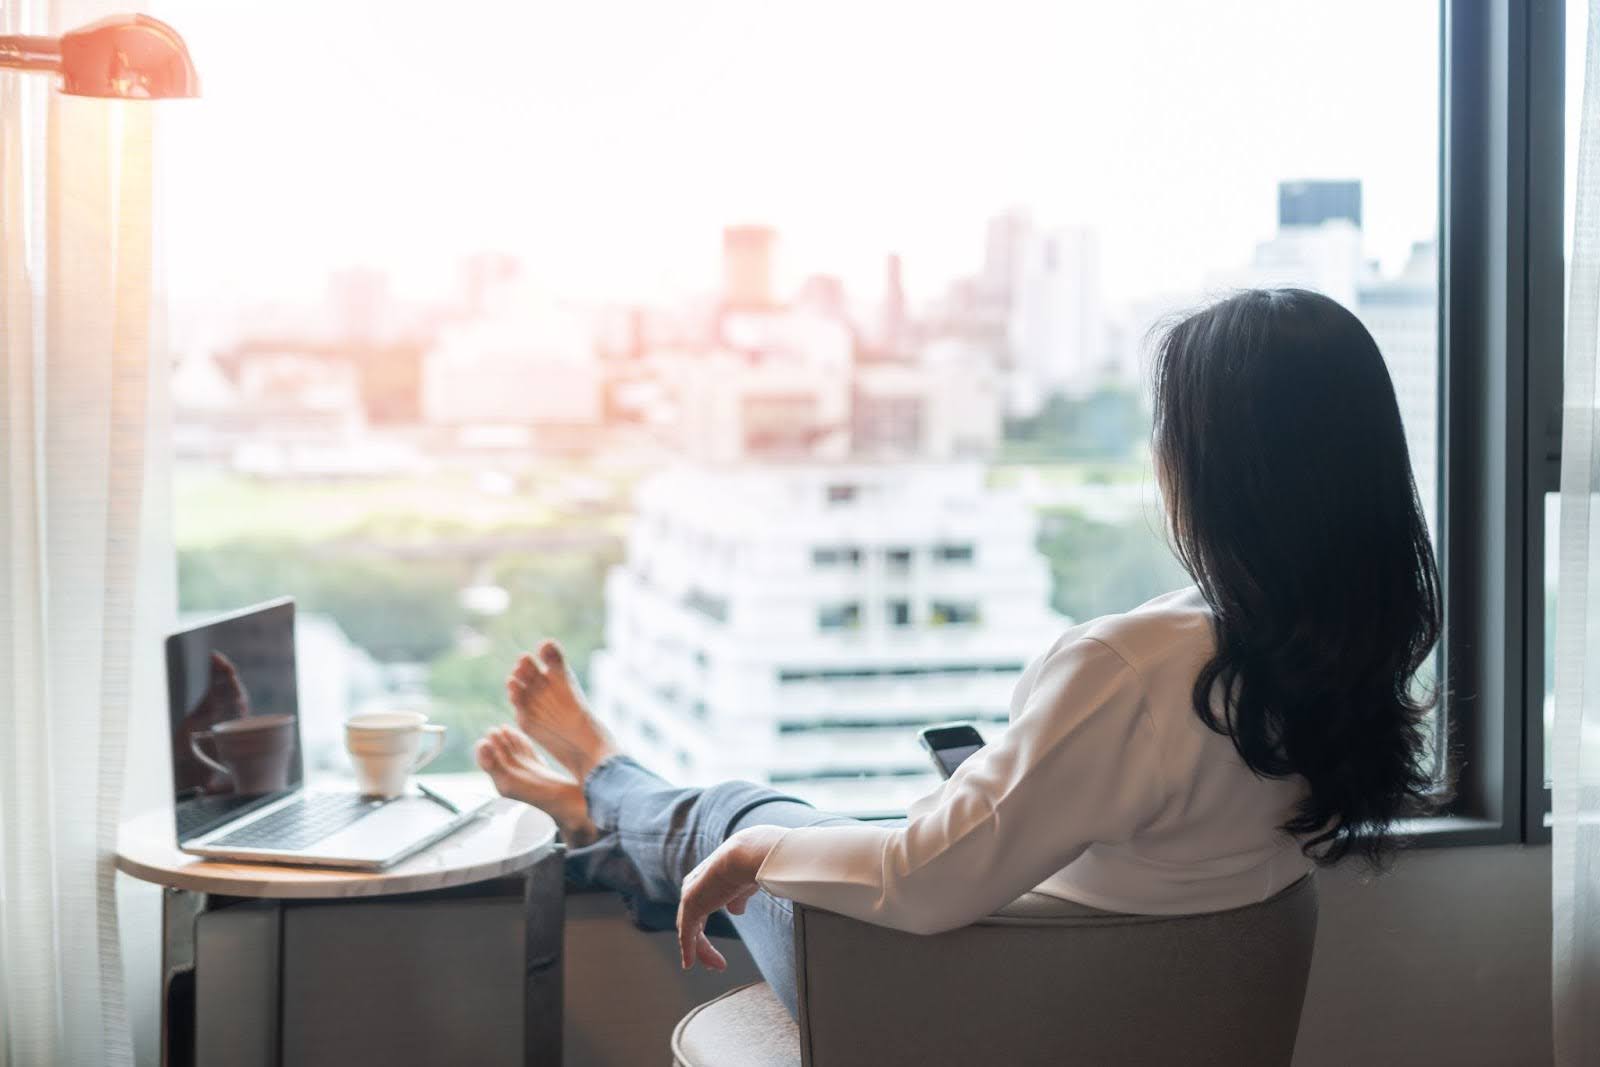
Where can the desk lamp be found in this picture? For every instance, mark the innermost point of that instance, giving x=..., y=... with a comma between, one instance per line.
x=125, y=57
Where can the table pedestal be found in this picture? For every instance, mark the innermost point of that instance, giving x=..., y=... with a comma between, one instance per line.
x=453, y=956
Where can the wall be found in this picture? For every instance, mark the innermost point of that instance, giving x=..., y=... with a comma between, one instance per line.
x=1446, y=960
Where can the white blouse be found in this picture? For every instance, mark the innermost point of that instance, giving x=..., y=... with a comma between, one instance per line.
x=1107, y=789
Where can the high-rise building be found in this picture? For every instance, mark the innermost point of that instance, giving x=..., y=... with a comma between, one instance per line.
x=1057, y=328
x=1312, y=203
x=823, y=294
x=1402, y=314
x=892, y=327
x=797, y=625
x=1005, y=249
x=1318, y=245
x=747, y=266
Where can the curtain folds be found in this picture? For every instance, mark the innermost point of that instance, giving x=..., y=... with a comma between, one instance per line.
x=1575, y=748
x=75, y=360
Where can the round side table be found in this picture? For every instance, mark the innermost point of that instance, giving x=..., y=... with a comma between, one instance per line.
x=268, y=964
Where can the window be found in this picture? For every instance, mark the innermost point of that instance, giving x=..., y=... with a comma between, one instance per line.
x=944, y=671
x=953, y=613
x=882, y=722
x=712, y=607
x=839, y=617
x=780, y=425
x=823, y=558
x=891, y=424
x=451, y=437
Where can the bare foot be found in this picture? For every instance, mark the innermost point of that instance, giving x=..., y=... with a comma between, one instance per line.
x=551, y=710
x=518, y=772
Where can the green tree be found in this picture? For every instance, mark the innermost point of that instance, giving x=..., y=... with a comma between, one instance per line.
x=396, y=609
x=1099, y=568
x=554, y=595
x=1108, y=424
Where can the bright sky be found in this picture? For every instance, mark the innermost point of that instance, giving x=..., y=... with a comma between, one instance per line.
x=607, y=142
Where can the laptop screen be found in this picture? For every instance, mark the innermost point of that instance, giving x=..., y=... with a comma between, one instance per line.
x=234, y=714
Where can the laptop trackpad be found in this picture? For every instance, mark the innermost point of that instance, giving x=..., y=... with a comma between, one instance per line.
x=388, y=831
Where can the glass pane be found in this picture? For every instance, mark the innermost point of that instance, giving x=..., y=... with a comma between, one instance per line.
x=1552, y=571
x=1576, y=41
x=787, y=366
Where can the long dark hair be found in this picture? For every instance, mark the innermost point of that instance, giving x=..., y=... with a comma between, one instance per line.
x=1290, y=499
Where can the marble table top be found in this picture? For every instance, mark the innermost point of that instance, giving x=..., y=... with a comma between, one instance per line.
x=503, y=838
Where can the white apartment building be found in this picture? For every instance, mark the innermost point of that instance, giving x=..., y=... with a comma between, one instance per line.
x=796, y=624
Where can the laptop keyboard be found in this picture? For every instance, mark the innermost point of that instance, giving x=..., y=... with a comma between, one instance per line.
x=196, y=814
x=301, y=822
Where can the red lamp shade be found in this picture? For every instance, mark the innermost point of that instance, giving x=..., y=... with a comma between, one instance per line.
x=125, y=57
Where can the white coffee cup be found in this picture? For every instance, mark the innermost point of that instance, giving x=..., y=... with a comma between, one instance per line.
x=387, y=747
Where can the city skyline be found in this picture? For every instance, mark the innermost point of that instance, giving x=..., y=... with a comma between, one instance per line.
x=950, y=488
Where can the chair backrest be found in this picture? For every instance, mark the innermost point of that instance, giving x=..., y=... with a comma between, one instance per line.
x=1045, y=981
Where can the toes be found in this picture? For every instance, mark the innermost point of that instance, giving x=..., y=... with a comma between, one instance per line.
x=487, y=755
x=527, y=671
x=517, y=743
x=552, y=659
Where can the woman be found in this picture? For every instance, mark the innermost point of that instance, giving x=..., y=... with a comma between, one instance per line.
x=1198, y=753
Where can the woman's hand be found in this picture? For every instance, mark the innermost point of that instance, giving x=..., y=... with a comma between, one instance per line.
x=725, y=879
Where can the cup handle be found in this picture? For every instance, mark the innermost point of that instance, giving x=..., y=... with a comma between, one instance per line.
x=194, y=746
x=437, y=730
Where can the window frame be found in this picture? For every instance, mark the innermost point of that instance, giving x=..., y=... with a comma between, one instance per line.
x=1546, y=295
x=1500, y=285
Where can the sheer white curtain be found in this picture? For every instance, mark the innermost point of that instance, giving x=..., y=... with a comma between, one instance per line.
x=1575, y=866
x=75, y=360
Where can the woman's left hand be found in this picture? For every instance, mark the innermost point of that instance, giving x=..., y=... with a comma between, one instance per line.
x=724, y=879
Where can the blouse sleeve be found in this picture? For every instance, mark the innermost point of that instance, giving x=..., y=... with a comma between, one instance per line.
x=1019, y=701
x=1080, y=765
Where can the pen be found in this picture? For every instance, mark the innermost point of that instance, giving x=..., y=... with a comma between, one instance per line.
x=437, y=797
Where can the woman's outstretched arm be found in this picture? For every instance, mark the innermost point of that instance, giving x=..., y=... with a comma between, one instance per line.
x=1081, y=765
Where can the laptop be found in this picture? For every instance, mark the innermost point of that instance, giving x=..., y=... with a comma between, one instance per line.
x=237, y=764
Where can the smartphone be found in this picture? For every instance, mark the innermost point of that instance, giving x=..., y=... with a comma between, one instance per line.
x=949, y=744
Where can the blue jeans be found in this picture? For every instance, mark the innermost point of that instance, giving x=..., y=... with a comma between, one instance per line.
x=654, y=833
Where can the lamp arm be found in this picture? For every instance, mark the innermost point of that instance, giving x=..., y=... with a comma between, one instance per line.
x=22, y=52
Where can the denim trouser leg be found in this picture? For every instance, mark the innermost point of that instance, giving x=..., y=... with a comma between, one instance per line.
x=653, y=834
